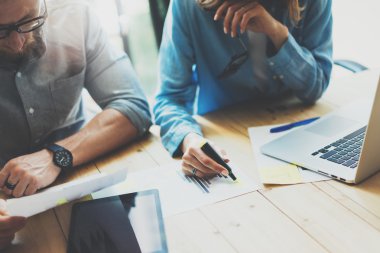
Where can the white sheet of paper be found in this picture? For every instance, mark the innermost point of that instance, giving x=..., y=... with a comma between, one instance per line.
x=274, y=171
x=63, y=193
x=179, y=193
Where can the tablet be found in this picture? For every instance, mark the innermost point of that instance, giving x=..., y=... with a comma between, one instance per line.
x=127, y=223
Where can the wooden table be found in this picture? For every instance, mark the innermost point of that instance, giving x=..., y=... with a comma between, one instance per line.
x=315, y=217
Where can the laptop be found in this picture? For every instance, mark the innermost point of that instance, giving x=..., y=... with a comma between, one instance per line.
x=343, y=145
x=128, y=223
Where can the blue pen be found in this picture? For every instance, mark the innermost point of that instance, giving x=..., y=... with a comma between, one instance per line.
x=292, y=125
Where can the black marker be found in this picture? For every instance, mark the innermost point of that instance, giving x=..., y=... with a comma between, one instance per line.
x=208, y=150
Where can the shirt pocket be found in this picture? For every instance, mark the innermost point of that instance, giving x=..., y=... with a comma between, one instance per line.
x=66, y=94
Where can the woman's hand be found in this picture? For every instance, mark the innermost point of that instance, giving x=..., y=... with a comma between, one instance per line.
x=196, y=162
x=250, y=15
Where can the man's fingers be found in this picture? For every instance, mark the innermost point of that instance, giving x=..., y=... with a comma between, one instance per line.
x=11, y=224
x=6, y=239
x=8, y=227
x=10, y=185
x=4, y=242
x=3, y=207
x=21, y=186
x=3, y=176
x=32, y=188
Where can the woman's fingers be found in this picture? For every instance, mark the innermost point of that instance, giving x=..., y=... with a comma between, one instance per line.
x=220, y=12
x=227, y=23
x=210, y=163
x=248, y=18
x=191, y=171
x=204, y=165
x=238, y=15
x=191, y=160
x=222, y=153
x=195, y=158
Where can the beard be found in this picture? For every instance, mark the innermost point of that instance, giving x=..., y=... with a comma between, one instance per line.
x=35, y=47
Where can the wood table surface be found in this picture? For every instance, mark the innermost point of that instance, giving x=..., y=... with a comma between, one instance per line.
x=325, y=216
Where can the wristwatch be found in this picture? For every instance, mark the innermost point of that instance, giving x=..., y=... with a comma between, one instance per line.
x=61, y=157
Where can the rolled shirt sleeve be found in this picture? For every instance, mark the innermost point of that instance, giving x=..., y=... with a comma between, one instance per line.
x=111, y=79
x=174, y=103
x=304, y=62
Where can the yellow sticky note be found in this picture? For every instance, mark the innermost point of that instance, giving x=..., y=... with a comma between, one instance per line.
x=286, y=174
x=61, y=201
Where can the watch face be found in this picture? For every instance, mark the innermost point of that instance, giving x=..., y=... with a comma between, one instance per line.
x=63, y=159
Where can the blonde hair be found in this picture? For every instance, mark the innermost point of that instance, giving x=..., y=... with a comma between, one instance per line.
x=209, y=4
x=294, y=7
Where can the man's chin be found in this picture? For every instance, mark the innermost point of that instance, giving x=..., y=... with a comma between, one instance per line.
x=31, y=51
x=11, y=58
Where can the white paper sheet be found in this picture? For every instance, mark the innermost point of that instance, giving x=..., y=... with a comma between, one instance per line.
x=273, y=171
x=61, y=194
x=179, y=193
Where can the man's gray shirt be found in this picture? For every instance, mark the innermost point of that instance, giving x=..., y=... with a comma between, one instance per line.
x=42, y=99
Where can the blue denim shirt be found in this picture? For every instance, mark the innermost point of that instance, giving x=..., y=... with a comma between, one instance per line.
x=194, y=51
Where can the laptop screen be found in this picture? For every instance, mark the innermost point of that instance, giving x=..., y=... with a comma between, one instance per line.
x=126, y=223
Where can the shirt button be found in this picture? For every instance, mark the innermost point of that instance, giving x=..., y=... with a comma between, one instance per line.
x=274, y=77
x=19, y=75
x=37, y=141
x=281, y=76
x=271, y=63
x=31, y=110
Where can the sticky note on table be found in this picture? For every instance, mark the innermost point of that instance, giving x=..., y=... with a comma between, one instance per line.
x=284, y=174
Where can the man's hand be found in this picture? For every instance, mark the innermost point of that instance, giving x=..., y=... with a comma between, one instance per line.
x=250, y=15
x=8, y=226
x=28, y=173
x=196, y=162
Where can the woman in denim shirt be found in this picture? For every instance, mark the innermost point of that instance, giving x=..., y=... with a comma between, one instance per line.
x=215, y=53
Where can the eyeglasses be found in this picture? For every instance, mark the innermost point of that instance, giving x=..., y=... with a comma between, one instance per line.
x=235, y=62
x=24, y=26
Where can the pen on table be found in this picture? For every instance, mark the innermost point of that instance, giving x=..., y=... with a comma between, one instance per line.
x=208, y=150
x=292, y=125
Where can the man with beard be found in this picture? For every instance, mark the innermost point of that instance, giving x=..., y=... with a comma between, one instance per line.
x=45, y=63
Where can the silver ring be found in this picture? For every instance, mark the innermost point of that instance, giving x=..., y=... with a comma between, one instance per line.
x=194, y=171
x=10, y=186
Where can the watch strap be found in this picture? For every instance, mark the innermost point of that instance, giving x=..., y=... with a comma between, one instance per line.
x=57, y=148
x=54, y=147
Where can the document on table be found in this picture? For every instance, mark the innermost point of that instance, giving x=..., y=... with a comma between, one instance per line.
x=274, y=171
x=180, y=193
x=63, y=193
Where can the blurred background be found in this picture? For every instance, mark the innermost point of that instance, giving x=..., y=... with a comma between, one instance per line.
x=130, y=26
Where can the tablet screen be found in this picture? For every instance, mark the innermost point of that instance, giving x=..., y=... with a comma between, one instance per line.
x=126, y=223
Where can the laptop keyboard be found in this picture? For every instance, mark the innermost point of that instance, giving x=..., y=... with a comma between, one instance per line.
x=345, y=151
